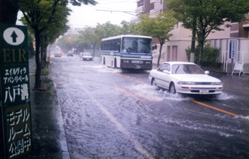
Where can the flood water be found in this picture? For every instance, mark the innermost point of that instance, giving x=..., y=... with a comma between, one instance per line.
x=112, y=114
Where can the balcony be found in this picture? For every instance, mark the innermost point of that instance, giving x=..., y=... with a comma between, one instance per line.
x=140, y=10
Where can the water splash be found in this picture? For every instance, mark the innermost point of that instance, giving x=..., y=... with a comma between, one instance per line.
x=175, y=97
x=243, y=117
x=225, y=96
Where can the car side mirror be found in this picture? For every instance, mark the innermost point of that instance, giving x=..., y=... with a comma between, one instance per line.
x=206, y=72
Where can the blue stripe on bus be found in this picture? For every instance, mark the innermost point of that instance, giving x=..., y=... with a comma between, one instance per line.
x=124, y=53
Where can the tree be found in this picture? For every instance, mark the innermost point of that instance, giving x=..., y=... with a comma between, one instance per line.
x=9, y=8
x=129, y=28
x=91, y=37
x=38, y=14
x=205, y=16
x=8, y=11
x=158, y=27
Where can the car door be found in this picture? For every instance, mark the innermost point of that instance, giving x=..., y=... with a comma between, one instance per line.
x=162, y=75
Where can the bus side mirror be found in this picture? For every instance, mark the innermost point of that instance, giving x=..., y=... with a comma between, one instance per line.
x=154, y=47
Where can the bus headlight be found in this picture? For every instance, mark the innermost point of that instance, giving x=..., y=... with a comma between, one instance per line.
x=126, y=61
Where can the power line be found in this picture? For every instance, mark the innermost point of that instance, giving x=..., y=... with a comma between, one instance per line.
x=127, y=12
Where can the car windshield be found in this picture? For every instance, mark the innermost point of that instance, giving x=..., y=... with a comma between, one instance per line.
x=86, y=54
x=186, y=69
x=137, y=45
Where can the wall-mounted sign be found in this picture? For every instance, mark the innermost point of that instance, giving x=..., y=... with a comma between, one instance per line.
x=15, y=91
x=233, y=48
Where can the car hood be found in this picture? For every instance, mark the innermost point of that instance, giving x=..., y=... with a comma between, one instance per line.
x=195, y=78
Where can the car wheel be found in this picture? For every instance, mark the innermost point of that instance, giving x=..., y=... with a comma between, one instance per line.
x=172, y=88
x=153, y=84
x=115, y=64
x=104, y=61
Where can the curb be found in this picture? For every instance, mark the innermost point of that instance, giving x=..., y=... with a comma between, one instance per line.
x=60, y=122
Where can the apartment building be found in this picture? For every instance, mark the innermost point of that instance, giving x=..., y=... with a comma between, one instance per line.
x=237, y=35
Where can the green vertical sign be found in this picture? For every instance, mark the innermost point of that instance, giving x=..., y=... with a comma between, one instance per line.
x=15, y=91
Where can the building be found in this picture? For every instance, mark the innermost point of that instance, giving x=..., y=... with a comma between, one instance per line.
x=174, y=50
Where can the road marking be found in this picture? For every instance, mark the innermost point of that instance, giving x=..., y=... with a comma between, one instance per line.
x=125, y=93
x=209, y=106
x=138, y=146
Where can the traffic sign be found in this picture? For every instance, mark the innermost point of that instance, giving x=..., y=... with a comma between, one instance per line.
x=15, y=124
x=13, y=36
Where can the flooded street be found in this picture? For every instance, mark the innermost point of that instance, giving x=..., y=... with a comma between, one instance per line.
x=110, y=114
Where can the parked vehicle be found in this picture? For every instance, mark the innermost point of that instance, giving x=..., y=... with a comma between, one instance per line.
x=58, y=54
x=87, y=56
x=70, y=54
x=185, y=78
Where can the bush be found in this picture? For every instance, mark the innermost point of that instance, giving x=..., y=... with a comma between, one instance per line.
x=46, y=79
x=210, y=55
x=45, y=71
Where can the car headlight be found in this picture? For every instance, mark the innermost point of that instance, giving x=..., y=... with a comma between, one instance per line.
x=186, y=82
x=216, y=83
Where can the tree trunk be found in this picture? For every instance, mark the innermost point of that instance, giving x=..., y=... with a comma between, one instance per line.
x=94, y=48
x=192, y=53
x=160, y=52
x=201, y=44
x=37, y=59
x=42, y=55
x=8, y=11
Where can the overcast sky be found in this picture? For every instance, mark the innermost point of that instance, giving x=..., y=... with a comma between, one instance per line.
x=88, y=15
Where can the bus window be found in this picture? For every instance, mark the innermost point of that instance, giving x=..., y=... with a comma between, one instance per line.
x=129, y=45
x=144, y=45
x=117, y=45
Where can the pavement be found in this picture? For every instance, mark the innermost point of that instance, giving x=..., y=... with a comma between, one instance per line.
x=48, y=135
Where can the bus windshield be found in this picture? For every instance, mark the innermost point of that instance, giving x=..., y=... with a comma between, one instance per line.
x=136, y=45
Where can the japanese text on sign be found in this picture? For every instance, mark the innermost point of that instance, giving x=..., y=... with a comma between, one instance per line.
x=16, y=80
x=18, y=130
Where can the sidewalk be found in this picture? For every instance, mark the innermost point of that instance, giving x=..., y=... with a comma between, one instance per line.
x=49, y=140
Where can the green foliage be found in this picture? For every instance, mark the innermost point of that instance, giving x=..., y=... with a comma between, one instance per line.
x=45, y=71
x=86, y=2
x=210, y=55
x=90, y=37
x=46, y=79
x=158, y=27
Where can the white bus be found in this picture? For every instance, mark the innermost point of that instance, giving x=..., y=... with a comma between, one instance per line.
x=127, y=52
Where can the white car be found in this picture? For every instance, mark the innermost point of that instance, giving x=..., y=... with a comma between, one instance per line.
x=185, y=78
x=87, y=56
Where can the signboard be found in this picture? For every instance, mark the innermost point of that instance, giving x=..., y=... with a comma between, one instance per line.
x=15, y=91
x=238, y=67
x=233, y=48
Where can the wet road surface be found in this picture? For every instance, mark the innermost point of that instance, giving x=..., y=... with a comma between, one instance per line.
x=110, y=114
